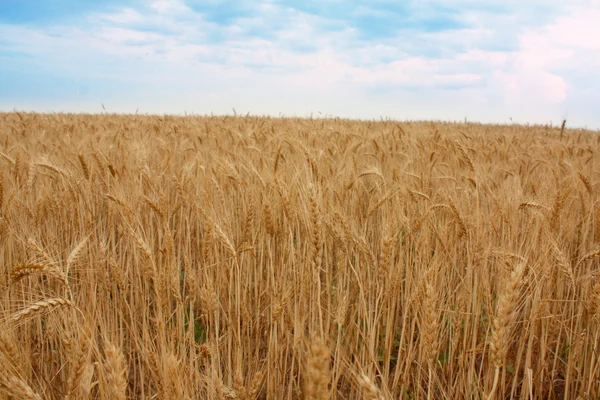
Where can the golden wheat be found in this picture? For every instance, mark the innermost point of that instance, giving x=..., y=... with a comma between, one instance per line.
x=38, y=307
x=272, y=258
x=116, y=372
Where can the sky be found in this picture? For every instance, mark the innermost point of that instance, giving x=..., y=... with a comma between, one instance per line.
x=500, y=61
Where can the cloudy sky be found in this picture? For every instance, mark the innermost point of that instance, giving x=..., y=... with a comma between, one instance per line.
x=530, y=61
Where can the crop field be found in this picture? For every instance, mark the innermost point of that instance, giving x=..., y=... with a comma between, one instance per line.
x=148, y=257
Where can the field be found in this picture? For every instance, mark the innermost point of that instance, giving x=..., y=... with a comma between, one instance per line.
x=257, y=258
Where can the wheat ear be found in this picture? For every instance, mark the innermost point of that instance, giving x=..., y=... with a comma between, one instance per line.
x=39, y=307
x=318, y=372
x=369, y=388
x=589, y=256
x=19, y=272
x=116, y=372
x=19, y=389
x=9, y=351
x=81, y=368
x=84, y=167
x=502, y=326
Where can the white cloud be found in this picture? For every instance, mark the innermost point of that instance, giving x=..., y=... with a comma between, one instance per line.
x=550, y=56
x=530, y=87
x=127, y=16
x=580, y=29
x=169, y=6
x=181, y=55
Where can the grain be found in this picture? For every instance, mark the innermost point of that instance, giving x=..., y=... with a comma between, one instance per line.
x=116, y=372
x=369, y=388
x=84, y=167
x=40, y=307
x=19, y=389
x=254, y=257
x=21, y=271
x=318, y=374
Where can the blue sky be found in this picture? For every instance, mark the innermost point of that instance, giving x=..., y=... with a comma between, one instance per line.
x=534, y=61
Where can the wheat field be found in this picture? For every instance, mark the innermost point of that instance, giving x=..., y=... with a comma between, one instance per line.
x=146, y=257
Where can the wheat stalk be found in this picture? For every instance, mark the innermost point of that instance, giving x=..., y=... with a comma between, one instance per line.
x=1, y=192
x=316, y=230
